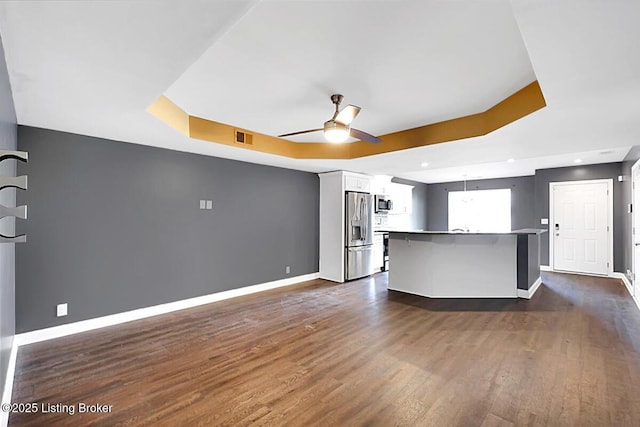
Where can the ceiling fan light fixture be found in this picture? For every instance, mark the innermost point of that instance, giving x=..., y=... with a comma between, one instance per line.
x=335, y=132
x=338, y=128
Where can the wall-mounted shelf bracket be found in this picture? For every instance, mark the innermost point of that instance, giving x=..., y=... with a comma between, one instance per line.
x=18, y=211
x=17, y=182
x=13, y=181
x=13, y=239
x=17, y=155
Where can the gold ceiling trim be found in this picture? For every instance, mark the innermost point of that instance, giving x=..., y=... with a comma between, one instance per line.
x=171, y=114
x=520, y=104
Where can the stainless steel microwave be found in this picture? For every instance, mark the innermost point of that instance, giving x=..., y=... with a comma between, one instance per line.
x=383, y=203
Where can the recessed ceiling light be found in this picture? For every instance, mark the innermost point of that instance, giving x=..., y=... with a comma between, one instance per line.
x=424, y=164
x=577, y=161
x=511, y=160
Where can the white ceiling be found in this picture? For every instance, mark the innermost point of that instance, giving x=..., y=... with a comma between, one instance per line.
x=269, y=66
x=415, y=63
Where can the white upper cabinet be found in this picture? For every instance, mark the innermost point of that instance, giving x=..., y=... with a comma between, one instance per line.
x=402, y=197
x=400, y=194
x=355, y=182
x=381, y=184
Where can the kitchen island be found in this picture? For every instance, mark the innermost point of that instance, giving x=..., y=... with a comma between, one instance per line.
x=443, y=264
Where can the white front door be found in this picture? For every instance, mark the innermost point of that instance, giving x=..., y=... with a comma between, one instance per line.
x=635, y=206
x=581, y=226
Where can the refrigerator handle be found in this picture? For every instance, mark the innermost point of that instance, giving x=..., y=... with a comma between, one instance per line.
x=366, y=215
x=363, y=219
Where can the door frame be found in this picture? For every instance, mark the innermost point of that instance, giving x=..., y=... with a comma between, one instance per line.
x=609, y=182
x=635, y=204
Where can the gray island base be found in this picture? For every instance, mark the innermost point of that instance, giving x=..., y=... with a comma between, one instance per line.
x=440, y=264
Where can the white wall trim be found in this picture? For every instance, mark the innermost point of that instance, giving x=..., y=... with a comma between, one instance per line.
x=625, y=281
x=8, y=385
x=634, y=213
x=545, y=268
x=627, y=284
x=128, y=316
x=528, y=293
x=576, y=273
x=615, y=275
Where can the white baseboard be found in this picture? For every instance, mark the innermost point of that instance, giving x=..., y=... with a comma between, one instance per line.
x=128, y=316
x=545, y=268
x=623, y=278
x=625, y=281
x=8, y=385
x=528, y=293
x=628, y=285
x=580, y=273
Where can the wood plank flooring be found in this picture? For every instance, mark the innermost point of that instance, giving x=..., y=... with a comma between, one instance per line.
x=331, y=354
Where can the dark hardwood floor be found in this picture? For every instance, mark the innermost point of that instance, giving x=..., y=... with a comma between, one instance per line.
x=354, y=354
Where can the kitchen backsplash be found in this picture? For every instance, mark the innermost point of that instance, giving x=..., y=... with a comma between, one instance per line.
x=386, y=221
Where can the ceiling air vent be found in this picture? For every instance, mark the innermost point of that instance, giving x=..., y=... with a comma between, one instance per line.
x=243, y=137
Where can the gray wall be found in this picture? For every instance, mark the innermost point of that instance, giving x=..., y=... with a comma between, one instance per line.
x=522, y=194
x=419, y=212
x=575, y=173
x=530, y=203
x=8, y=141
x=527, y=260
x=115, y=226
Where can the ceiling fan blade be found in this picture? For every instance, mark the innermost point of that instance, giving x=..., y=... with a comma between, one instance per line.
x=347, y=114
x=363, y=136
x=298, y=133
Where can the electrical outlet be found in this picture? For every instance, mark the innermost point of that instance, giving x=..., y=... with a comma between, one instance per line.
x=544, y=221
x=61, y=310
x=287, y=269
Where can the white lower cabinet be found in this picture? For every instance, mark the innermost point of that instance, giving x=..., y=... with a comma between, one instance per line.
x=378, y=252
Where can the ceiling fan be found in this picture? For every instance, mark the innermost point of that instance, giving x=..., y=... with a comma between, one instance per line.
x=338, y=128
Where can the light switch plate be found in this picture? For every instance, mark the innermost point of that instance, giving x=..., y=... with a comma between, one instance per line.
x=209, y=204
x=544, y=221
x=61, y=310
x=203, y=204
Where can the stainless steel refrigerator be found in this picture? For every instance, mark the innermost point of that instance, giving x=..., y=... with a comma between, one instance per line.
x=358, y=235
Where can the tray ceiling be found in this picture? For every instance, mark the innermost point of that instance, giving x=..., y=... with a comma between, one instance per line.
x=269, y=66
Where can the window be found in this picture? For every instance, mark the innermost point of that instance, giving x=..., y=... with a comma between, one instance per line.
x=480, y=211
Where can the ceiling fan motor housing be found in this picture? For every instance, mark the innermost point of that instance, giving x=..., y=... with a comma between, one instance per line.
x=330, y=125
x=337, y=99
